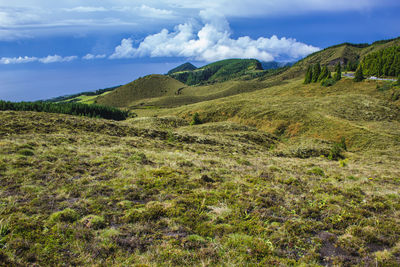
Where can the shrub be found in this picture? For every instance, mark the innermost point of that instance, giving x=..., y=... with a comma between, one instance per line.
x=336, y=151
x=195, y=119
x=328, y=82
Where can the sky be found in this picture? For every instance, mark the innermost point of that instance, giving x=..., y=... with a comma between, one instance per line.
x=53, y=48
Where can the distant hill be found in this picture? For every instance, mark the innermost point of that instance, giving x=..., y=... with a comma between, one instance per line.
x=184, y=67
x=146, y=87
x=275, y=65
x=346, y=52
x=220, y=71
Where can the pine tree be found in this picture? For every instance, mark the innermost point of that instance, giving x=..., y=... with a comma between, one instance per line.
x=324, y=74
x=308, y=78
x=359, y=76
x=338, y=70
x=316, y=72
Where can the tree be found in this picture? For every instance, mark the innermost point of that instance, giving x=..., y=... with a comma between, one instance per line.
x=338, y=70
x=324, y=74
x=359, y=76
x=316, y=72
x=308, y=78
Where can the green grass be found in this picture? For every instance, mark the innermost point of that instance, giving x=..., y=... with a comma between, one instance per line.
x=157, y=191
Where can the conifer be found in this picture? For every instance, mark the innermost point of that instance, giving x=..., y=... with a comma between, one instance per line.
x=359, y=76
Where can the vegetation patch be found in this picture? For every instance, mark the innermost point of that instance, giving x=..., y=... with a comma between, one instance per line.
x=67, y=108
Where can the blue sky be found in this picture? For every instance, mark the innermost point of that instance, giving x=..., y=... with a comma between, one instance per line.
x=52, y=48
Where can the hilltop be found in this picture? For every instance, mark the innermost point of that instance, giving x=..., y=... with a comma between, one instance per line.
x=184, y=67
x=219, y=71
x=147, y=87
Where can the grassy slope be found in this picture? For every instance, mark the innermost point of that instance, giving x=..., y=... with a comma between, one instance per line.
x=347, y=109
x=164, y=91
x=343, y=53
x=156, y=191
x=146, y=87
x=184, y=67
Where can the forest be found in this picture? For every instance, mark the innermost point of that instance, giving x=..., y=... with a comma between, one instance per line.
x=385, y=62
x=78, y=109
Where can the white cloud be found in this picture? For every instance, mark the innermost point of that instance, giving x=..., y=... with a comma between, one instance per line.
x=85, y=9
x=45, y=60
x=20, y=18
x=210, y=42
x=147, y=11
x=11, y=17
x=91, y=56
x=17, y=60
x=56, y=58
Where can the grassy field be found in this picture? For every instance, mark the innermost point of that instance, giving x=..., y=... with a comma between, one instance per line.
x=157, y=191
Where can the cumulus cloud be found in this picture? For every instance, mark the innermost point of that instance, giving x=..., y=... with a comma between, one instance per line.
x=91, y=56
x=210, y=42
x=44, y=60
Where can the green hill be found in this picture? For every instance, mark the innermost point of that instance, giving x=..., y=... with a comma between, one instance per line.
x=345, y=53
x=277, y=173
x=184, y=67
x=147, y=87
x=220, y=71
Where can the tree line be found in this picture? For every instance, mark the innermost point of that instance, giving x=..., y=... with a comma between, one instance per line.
x=78, y=109
x=317, y=74
x=71, y=98
x=385, y=62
